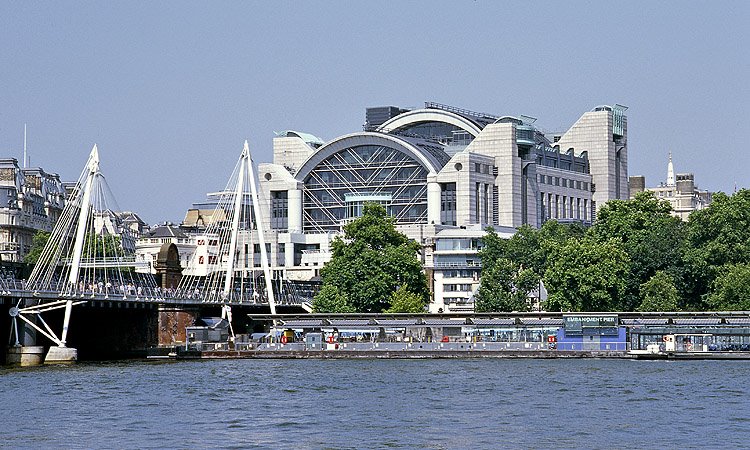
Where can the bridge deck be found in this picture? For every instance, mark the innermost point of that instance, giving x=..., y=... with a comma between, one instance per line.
x=129, y=294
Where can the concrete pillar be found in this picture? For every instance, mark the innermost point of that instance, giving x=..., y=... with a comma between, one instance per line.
x=433, y=200
x=25, y=356
x=22, y=349
x=295, y=211
x=58, y=355
x=289, y=255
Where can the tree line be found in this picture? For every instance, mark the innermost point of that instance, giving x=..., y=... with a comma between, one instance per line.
x=636, y=257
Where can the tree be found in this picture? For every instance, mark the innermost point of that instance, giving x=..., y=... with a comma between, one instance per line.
x=587, y=275
x=659, y=293
x=372, y=260
x=102, y=246
x=511, y=268
x=505, y=287
x=404, y=301
x=331, y=300
x=650, y=235
x=528, y=247
x=731, y=289
x=554, y=235
x=716, y=237
x=37, y=246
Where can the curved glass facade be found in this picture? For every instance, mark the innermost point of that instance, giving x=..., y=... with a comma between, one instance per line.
x=364, y=170
x=442, y=132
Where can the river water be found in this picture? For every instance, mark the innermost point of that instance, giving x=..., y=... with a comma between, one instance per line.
x=440, y=404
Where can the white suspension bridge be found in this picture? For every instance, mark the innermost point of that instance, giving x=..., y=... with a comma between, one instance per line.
x=85, y=260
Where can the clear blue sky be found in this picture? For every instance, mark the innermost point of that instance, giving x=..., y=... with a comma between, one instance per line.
x=170, y=90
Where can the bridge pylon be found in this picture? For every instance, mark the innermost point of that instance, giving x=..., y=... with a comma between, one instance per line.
x=230, y=275
x=87, y=257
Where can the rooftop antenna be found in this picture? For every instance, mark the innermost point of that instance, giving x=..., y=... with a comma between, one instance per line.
x=24, y=146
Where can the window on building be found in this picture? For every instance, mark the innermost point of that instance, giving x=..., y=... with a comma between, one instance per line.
x=477, y=196
x=486, y=204
x=279, y=210
x=448, y=203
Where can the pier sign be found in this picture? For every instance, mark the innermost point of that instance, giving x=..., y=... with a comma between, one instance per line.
x=595, y=325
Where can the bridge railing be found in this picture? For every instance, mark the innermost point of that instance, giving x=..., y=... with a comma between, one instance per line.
x=109, y=262
x=133, y=293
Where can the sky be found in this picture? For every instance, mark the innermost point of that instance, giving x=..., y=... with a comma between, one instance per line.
x=169, y=91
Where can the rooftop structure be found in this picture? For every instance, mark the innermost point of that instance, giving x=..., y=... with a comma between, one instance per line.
x=679, y=190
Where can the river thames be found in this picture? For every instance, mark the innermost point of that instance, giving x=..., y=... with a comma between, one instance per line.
x=440, y=404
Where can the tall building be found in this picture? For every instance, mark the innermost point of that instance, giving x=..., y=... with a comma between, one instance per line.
x=679, y=190
x=444, y=174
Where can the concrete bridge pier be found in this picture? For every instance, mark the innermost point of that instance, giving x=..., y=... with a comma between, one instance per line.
x=59, y=355
x=63, y=353
x=22, y=349
x=25, y=355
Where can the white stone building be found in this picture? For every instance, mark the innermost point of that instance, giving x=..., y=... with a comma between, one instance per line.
x=30, y=200
x=679, y=190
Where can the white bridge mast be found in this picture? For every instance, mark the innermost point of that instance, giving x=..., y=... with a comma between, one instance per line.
x=259, y=228
x=83, y=215
x=239, y=194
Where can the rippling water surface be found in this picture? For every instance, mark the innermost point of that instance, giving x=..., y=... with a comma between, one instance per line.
x=441, y=404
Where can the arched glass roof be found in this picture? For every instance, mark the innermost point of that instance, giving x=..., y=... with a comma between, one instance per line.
x=367, y=165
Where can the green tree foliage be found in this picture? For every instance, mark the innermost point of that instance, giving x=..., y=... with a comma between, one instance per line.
x=37, y=246
x=372, y=260
x=731, y=289
x=587, y=275
x=529, y=248
x=716, y=237
x=102, y=246
x=405, y=301
x=650, y=235
x=634, y=257
x=511, y=268
x=505, y=287
x=331, y=300
x=659, y=293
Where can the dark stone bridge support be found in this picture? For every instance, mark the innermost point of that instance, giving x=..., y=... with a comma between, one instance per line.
x=168, y=269
x=172, y=323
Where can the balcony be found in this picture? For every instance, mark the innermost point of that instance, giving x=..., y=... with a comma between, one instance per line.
x=456, y=264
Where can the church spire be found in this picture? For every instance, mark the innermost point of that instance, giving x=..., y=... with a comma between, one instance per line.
x=670, y=171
